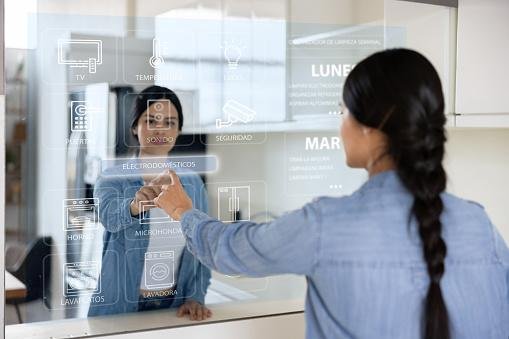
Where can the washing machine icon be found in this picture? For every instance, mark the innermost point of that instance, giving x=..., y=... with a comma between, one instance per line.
x=159, y=270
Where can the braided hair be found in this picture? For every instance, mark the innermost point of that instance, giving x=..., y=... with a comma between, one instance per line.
x=398, y=91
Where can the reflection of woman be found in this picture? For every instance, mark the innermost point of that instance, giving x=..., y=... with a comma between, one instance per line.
x=399, y=258
x=145, y=263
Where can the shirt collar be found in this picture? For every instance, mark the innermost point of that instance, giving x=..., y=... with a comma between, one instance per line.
x=385, y=179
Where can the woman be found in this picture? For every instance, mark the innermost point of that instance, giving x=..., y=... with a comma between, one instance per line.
x=145, y=263
x=399, y=258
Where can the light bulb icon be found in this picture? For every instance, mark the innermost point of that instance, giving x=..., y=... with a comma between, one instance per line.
x=232, y=54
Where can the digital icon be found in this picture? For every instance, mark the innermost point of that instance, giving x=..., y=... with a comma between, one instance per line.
x=234, y=112
x=81, y=278
x=89, y=60
x=232, y=54
x=234, y=203
x=159, y=270
x=156, y=59
x=80, y=116
x=159, y=113
x=81, y=214
x=151, y=214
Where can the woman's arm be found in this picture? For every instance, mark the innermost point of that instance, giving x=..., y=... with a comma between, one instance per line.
x=502, y=253
x=201, y=278
x=289, y=244
x=114, y=207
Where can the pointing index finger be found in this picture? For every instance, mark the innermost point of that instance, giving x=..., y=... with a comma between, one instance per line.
x=174, y=178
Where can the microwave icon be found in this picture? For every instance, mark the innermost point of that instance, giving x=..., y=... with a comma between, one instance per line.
x=151, y=214
x=81, y=214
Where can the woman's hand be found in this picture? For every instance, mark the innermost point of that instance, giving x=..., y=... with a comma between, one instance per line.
x=162, y=179
x=174, y=199
x=194, y=310
x=145, y=193
x=150, y=192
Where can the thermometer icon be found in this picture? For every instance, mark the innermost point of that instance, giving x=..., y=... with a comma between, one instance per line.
x=156, y=59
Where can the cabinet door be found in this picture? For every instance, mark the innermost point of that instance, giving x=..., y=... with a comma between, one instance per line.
x=482, y=74
x=428, y=29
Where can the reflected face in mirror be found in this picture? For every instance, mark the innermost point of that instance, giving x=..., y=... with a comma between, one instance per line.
x=157, y=129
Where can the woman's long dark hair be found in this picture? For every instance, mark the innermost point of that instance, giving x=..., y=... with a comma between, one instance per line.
x=399, y=92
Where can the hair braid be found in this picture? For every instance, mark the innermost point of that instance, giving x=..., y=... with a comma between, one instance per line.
x=399, y=92
x=419, y=165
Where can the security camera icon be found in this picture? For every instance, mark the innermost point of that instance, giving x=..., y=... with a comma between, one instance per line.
x=235, y=112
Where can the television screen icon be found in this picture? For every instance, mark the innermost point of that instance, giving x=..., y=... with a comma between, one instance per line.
x=81, y=214
x=90, y=59
x=81, y=278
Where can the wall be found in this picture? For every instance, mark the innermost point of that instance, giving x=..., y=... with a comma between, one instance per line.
x=477, y=163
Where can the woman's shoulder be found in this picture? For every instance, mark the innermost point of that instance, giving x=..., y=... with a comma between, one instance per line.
x=333, y=204
x=463, y=207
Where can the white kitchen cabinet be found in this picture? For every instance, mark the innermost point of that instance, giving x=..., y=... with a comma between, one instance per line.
x=482, y=75
x=430, y=30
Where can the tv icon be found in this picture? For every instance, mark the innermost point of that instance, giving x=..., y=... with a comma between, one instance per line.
x=90, y=59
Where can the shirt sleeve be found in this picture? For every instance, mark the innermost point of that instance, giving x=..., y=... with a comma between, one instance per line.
x=115, y=211
x=201, y=279
x=502, y=253
x=289, y=244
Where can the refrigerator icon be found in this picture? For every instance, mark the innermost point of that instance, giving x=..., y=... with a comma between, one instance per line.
x=234, y=203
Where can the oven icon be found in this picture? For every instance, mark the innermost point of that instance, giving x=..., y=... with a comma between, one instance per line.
x=159, y=270
x=81, y=214
x=81, y=278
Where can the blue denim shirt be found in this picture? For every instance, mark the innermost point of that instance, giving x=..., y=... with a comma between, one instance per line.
x=363, y=262
x=124, y=249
